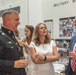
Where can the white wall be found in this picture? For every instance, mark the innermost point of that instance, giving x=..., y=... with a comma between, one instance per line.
x=31, y=10
x=6, y=4
x=35, y=12
x=54, y=13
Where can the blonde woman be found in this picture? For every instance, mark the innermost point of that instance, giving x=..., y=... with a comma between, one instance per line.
x=43, y=51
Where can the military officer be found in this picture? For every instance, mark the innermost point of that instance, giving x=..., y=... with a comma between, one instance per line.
x=11, y=53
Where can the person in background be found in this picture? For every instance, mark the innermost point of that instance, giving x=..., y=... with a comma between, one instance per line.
x=28, y=36
x=43, y=51
x=71, y=68
x=69, y=23
x=11, y=53
x=74, y=26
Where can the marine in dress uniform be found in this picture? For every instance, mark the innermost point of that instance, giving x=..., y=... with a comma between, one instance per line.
x=11, y=53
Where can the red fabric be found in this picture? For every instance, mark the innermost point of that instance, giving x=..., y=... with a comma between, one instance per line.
x=73, y=62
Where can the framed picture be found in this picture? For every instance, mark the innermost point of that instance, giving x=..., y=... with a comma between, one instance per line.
x=14, y=8
x=66, y=27
x=49, y=24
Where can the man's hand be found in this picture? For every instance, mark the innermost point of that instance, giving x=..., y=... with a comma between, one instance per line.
x=20, y=63
x=72, y=55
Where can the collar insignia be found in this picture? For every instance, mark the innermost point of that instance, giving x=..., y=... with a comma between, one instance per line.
x=9, y=32
x=9, y=42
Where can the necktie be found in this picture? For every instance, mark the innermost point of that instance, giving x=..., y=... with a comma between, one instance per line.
x=73, y=62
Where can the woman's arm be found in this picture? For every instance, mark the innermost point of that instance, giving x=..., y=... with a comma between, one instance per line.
x=41, y=59
x=26, y=47
x=37, y=58
x=54, y=56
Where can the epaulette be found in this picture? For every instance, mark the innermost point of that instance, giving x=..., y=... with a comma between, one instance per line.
x=0, y=31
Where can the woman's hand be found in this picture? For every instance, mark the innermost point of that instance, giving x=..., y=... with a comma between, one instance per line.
x=25, y=44
x=39, y=57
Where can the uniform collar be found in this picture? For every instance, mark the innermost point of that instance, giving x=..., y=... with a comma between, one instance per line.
x=7, y=31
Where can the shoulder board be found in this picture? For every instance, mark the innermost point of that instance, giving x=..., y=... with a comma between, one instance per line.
x=0, y=32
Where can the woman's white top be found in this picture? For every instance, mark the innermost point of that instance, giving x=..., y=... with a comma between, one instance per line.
x=29, y=68
x=45, y=49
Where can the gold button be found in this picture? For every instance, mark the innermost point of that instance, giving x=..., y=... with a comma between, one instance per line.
x=13, y=36
x=21, y=57
x=16, y=43
x=9, y=32
x=19, y=50
x=9, y=42
x=12, y=47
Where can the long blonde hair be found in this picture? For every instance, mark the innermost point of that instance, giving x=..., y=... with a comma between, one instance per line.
x=35, y=37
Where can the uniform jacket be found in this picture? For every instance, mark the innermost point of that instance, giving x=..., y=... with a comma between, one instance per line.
x=9, y=52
